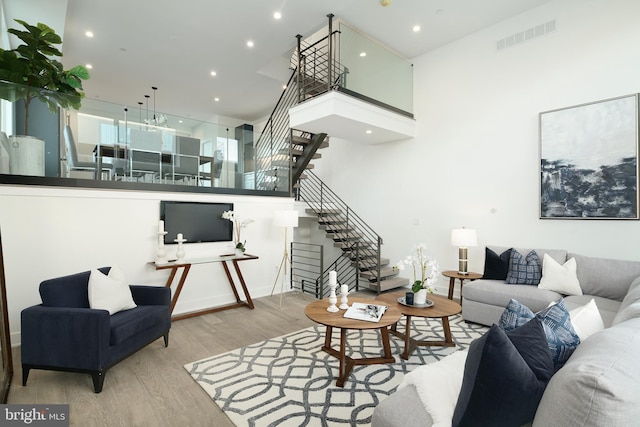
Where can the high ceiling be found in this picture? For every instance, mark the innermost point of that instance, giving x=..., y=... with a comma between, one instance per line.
x=174, y=46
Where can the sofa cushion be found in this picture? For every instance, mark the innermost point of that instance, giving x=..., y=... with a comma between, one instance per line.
x=403, y=408
x=561, y=278
x=496, y=266
x=128, y=323
x=504, y=377
x=497, y=293
x=109, y=292
x=586, y=320
x=630, y=307
x=608, y=278
x=599, y=384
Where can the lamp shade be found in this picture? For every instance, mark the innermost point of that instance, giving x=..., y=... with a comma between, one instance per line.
x=464, y=237
x=286, y=218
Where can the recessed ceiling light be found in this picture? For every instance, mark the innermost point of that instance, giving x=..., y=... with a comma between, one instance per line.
x=284, y=87
x=216, y=99
x=213, y=73
x=179, y=121
x=89, y=66
x=368, y=131
x=277, y=15
x=363, y=54
x=416, y=28
x=250, y=43
x=89, y=33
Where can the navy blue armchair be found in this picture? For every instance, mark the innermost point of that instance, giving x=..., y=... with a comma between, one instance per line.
x=64, y=334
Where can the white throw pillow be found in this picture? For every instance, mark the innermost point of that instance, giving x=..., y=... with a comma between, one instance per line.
x=438, y=386
x=560, y=278
x=586, y=320
x=111, y=293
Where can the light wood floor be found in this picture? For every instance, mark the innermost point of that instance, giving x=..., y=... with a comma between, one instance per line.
x=151, y=387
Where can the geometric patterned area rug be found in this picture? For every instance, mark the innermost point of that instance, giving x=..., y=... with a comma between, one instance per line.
x=291, y=381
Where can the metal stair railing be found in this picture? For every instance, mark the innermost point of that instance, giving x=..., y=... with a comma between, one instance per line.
x=307, y=264
x=360, y=244
x=315, y=71
x=274, y=140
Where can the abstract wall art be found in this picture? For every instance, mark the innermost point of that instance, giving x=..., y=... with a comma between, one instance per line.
x=589, y=160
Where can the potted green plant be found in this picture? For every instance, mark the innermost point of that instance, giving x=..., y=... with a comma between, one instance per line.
x=32, y=71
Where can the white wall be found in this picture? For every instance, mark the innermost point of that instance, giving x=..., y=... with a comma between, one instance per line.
x=49, y=232
x=474, y=161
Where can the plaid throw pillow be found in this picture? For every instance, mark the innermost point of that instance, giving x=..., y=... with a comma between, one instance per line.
x=524, y=270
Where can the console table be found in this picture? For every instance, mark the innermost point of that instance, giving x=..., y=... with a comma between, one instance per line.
x=186, y=266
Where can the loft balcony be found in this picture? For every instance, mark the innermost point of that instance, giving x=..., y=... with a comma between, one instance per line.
x=352, y=87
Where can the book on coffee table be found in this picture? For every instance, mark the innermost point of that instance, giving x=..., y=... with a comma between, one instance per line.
x=368, y=312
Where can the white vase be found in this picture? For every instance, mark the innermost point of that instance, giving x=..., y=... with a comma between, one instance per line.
x=420, y=297
x=239, y=252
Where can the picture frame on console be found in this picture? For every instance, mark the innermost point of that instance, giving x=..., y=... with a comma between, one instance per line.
x=588, y=160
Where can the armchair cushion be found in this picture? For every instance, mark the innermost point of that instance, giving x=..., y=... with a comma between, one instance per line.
x=128, y=323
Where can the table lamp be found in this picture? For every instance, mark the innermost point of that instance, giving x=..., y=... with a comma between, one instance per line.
x=463, y=238
x=285, y=219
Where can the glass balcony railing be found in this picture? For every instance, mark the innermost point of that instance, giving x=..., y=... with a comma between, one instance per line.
x=375, y=71
x=114, y=144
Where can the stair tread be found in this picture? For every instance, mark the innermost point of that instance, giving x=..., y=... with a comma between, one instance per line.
x=385, y=272
x=391, y=283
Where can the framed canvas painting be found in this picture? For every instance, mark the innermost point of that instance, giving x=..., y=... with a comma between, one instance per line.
x=589, y=160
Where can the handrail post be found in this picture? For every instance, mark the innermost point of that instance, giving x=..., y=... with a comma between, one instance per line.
x=330, y=61
x=298, y=77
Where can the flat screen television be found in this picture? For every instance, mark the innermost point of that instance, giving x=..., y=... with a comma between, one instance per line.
x=197, y=221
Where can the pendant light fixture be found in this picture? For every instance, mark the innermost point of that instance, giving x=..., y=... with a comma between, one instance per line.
x=154, y=104
x=147, y=119
x=140, y=111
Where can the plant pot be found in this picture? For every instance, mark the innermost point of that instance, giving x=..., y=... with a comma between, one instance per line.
x=26, y=155
x=420, y=297
x=239, y=252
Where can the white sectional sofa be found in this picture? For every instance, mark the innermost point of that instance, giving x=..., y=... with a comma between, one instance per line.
x=600, y=383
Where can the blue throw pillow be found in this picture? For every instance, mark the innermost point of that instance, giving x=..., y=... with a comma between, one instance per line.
x=496, y=266
x=561, y=336
x=524, y=270
x=505, y=375
x=562, y=339
x=514, y=316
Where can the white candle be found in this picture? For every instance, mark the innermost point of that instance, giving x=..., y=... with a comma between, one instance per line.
x=179, y=236
x=344, y=289
x=333, y=278
x=161, y=226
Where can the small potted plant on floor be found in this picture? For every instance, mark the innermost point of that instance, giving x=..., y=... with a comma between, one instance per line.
x=31, y=71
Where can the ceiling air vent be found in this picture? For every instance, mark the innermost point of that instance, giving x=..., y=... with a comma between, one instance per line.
x=526, y=35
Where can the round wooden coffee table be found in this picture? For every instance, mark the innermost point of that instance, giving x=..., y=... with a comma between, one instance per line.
x=317, y=311
x=442, y=308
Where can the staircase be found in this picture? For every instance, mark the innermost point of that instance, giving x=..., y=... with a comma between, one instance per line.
x=359, y=243
x=283, y=163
